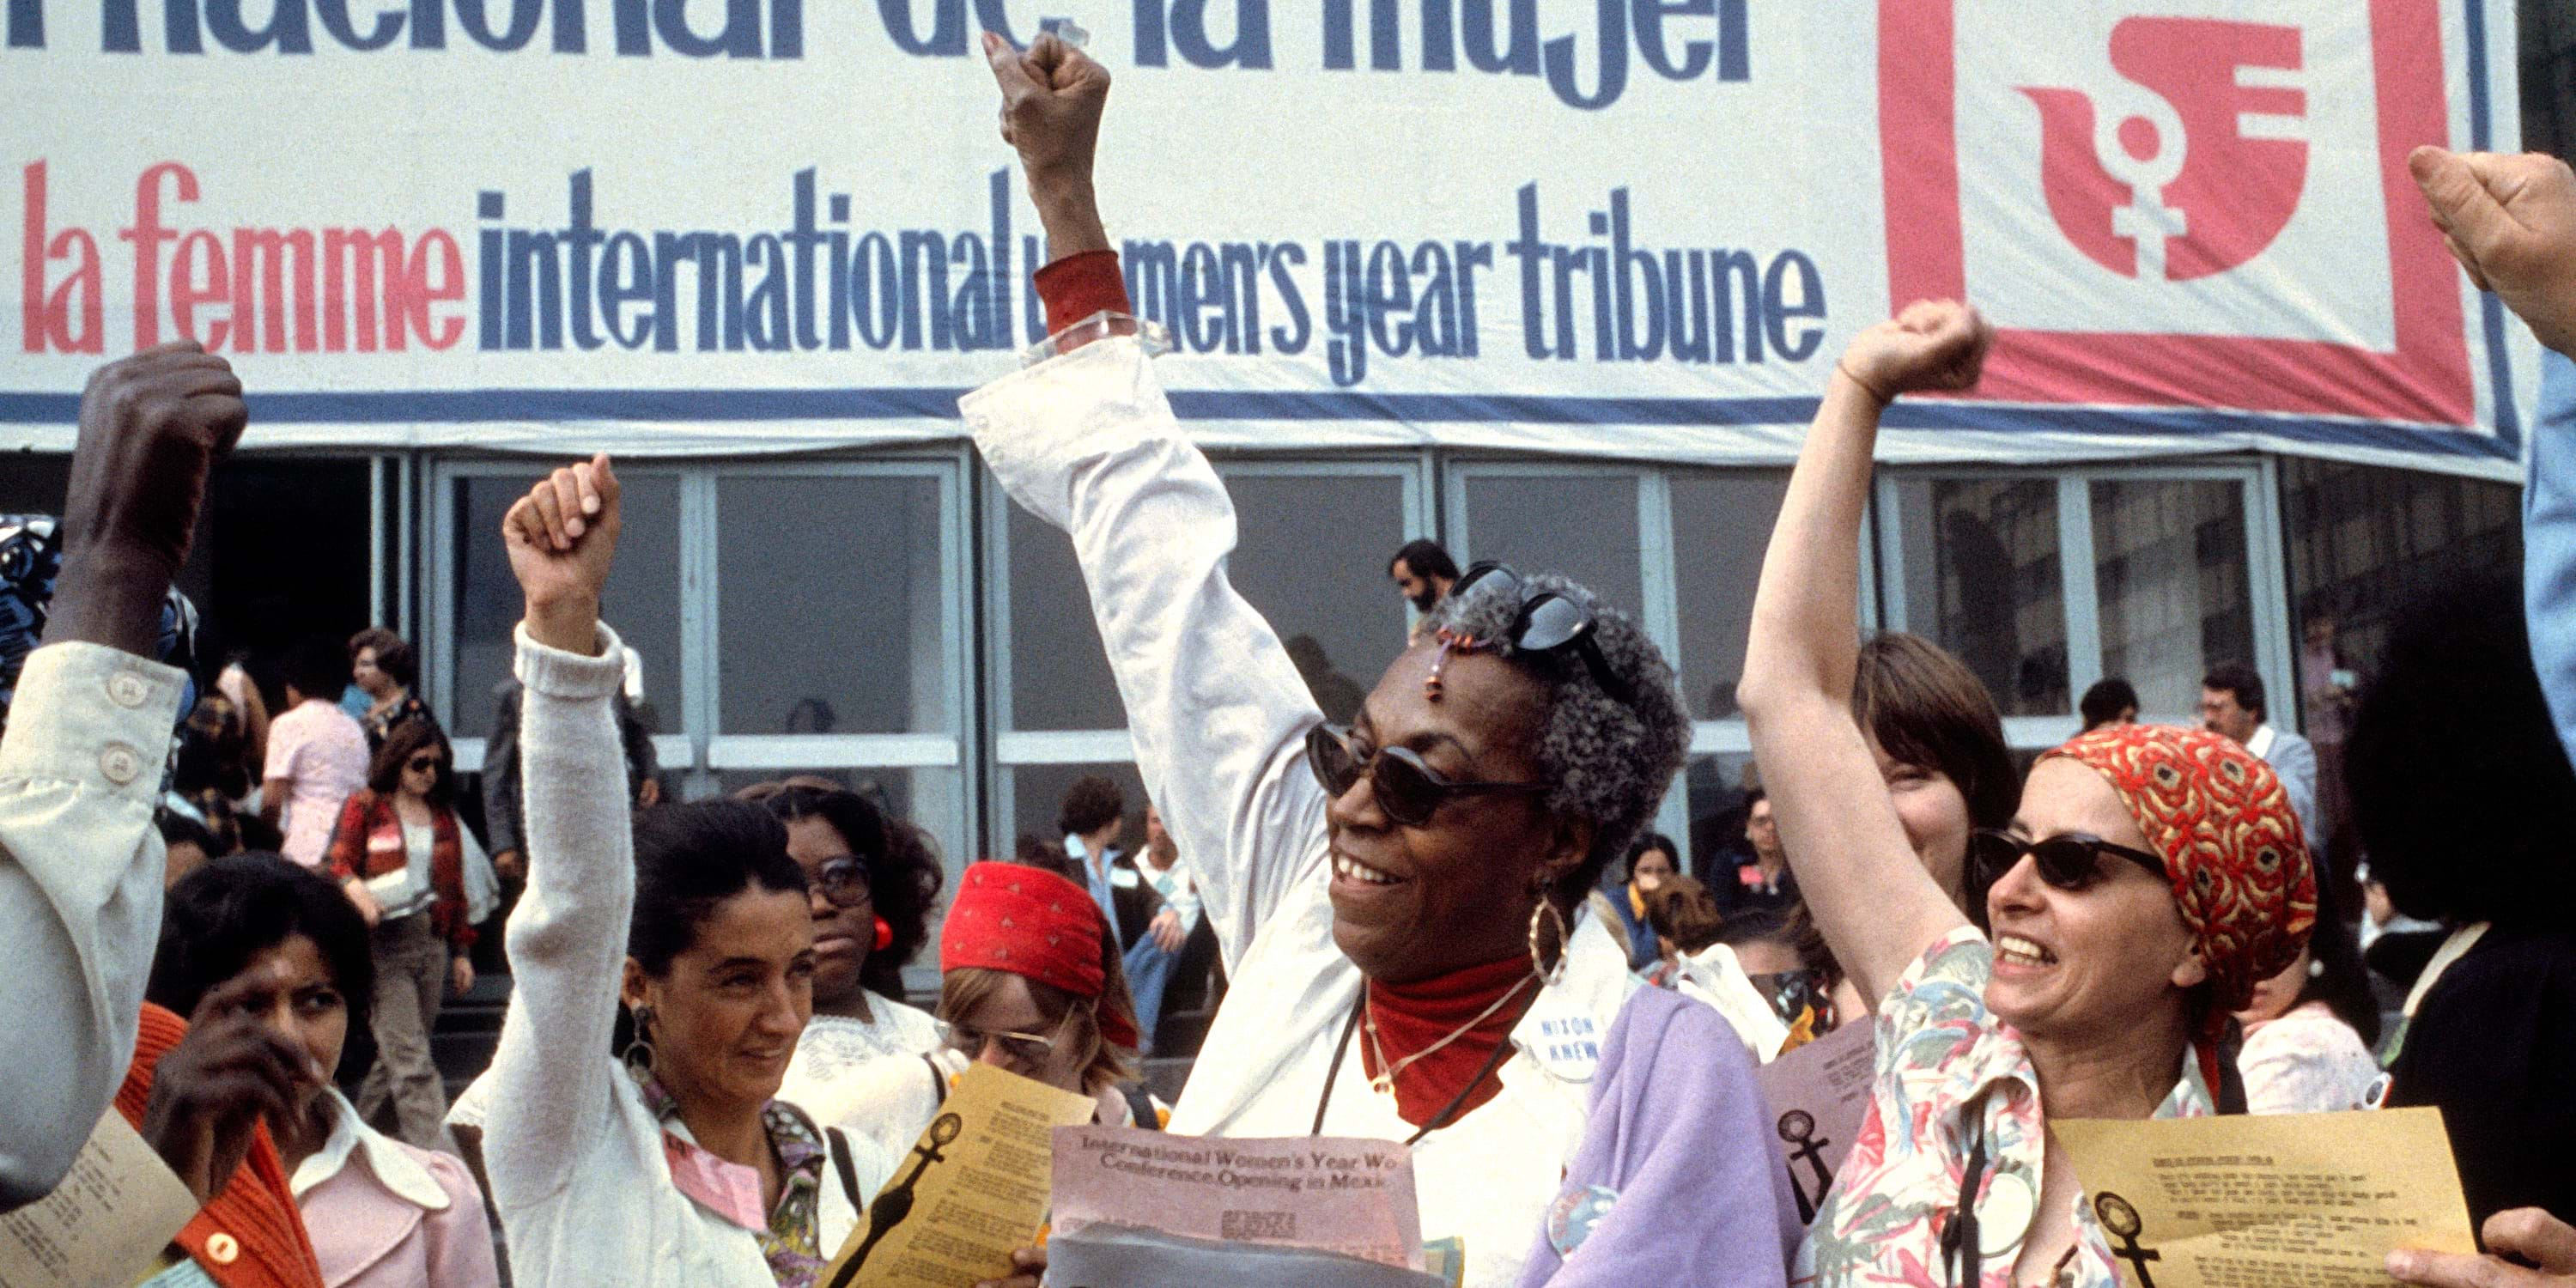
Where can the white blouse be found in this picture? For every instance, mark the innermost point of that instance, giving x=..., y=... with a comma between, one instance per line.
x=2308, y=1061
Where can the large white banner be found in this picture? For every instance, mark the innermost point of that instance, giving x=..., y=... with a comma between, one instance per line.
x=1607, y=226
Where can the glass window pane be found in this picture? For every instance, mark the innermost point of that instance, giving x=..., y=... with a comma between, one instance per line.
x=1059, y=671
x=1037, y=794
x=642, y=599
x=1311, y=555
x=1982, y=580
x=828, y=613
x=1714, y=789
x=1721, y=525
x=2357, y=555
x=1581, y=525
x=2169, y=567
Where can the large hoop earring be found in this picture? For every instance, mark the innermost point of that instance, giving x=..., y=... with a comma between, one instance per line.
x=1546, y=910
x=639, y=1051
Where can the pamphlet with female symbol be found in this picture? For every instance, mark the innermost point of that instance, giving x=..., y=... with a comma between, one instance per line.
x=973, y=1190
x=2313, y=1199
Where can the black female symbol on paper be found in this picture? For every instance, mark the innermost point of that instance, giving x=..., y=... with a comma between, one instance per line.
x=891, y=1207
x=2121, y=1222
x=1798, y=1128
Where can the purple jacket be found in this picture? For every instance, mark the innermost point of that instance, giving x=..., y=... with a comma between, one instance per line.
x=1678, y=1181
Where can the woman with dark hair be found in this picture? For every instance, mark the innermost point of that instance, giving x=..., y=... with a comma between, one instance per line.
x=1939, y=744
x=677, y=1164
x=2149, y=878
x=1401, y=904
x=1652, y=860
x=872, y=882
x=255, y=934
x=2110, y=701
x=2465, y=801
x=2309, y=1029
x=419, y=878
x=383, y=666
x=1090, y=818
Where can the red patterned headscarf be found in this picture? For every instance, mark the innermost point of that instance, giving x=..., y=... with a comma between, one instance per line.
x=2221, y=821
x=1032, y=923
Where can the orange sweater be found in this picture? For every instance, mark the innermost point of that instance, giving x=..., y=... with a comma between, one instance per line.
x=249, y=1235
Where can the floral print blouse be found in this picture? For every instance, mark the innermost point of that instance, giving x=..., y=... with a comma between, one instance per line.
x=1950, y=1073
x=793, y=1243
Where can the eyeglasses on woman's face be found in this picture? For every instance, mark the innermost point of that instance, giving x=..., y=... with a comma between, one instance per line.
x=1408, y=791
x=424, y=763
x=1027, y=1051
x=844, y=881
x=2066, y=861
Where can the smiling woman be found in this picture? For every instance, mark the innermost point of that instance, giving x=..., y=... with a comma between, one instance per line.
x=1401, y=905
x=2150, y=878
x=677, y=1164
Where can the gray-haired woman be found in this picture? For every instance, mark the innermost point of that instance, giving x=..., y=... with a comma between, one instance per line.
x=1400, y=903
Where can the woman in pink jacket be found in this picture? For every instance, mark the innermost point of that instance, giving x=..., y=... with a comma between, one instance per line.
x=382, y=1214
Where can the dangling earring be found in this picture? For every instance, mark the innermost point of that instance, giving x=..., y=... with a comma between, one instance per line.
x=639, y=1051
x=1546, y=910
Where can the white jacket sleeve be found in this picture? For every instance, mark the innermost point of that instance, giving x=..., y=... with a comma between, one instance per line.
x=549, y=1089
x=80, y=894
x=1219, y=715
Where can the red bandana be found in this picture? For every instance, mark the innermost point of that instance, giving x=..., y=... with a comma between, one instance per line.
x=2222, y=823
x=1037, y=925
x=1410, y=1017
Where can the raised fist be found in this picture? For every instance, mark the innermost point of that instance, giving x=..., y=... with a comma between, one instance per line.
x=151, y=427
x=2511, y=222
x=1931, y=345
x=1052, y=96
x=562, y=537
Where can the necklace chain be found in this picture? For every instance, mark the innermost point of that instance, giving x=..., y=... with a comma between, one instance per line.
x=1384, y=1082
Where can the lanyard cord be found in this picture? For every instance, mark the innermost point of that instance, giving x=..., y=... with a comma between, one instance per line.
x=1439, y=1120
x=1961, y=1240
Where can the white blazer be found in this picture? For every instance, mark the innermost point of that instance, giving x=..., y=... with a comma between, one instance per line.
x=1087, y=442
x=574, y=1156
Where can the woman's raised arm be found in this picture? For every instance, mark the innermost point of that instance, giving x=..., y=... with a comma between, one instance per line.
x=1878, y=907
x=567, y=937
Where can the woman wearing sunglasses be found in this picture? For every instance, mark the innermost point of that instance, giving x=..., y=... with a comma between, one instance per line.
x=1400, y=904
x=676, y=1164
x=871, y=882
x=2150, y=877
x=422, y=883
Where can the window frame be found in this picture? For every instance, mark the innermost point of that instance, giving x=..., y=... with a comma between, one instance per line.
x=2266, y=571
x=694, y=755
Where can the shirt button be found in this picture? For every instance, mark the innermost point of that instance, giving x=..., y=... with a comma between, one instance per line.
x=128, y=689
x=223, y=1249
x=120, y=763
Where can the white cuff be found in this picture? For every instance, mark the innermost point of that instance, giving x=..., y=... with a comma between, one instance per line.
x=560, y=674
x=96, y=717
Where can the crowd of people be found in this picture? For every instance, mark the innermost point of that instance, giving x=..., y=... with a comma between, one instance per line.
x=1444, y=921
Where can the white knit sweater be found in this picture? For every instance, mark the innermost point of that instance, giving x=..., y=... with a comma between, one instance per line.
x=574, y=1156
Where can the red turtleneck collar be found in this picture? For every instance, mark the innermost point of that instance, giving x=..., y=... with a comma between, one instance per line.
x=1410, y=1017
